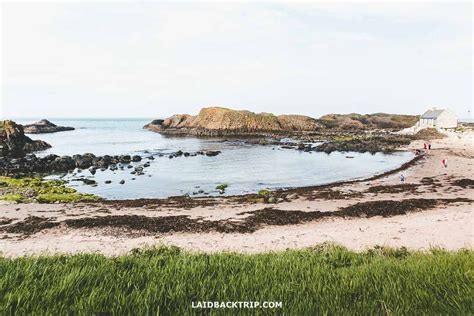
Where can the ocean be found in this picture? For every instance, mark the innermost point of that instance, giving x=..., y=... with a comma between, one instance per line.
x=244, y=168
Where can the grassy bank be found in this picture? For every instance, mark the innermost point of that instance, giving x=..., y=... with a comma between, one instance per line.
x=167, y=280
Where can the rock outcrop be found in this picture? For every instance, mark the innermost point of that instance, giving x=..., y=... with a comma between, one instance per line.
x=217, y=121
x=45, y=126
x=14, y=143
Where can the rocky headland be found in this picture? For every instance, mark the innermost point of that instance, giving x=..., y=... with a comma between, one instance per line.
x=217, y=121
x=14, y=143
x=45, y=126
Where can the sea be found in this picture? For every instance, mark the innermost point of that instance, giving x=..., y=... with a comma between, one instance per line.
x=243, y=167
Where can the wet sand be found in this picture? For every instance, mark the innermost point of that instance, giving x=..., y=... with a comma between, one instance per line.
x=434, y=208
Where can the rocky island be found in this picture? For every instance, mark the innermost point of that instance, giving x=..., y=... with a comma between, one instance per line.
x=45, y=126
x=218, y=121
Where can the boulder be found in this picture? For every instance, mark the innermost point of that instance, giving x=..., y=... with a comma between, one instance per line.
x=136, y=158
x=212, y=153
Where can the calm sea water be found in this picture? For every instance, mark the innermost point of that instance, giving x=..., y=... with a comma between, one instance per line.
x=245, y=168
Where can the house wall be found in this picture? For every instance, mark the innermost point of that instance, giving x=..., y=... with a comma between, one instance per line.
x=425, y=123
x=447, y=119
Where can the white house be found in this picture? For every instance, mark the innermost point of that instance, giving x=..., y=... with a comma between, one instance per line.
x=435, y=118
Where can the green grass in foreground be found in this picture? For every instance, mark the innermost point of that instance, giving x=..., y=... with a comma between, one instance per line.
x=328, y=279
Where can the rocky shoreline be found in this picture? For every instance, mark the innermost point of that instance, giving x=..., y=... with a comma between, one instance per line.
x=31, y=164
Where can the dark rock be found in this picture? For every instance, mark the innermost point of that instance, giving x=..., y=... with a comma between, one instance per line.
x=85, y=181
x=212, y=153
x=14, y=142
x=125, y=158
x=138, y=168
x=136, y=158
x=89, y=181
x=374, y=144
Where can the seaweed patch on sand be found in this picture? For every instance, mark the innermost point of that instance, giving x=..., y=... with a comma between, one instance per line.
x=184, y=202
x=140, y=225
x=464, y=183
x=397, y=188
x=30, y=225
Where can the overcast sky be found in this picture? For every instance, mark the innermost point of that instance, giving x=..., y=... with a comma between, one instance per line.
x=155, y=59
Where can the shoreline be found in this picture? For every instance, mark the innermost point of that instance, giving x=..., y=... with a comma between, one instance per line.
x=417, y=217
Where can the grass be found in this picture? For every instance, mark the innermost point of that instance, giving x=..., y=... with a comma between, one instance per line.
x=324, y=280
x=26, y=190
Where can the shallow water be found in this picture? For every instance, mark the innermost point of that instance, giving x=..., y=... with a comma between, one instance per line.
x=245, y=168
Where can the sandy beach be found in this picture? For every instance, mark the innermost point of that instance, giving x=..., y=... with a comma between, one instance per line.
x=433, y=208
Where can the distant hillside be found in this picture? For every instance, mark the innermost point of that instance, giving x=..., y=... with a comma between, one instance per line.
x=218, y=121
x=356, y=121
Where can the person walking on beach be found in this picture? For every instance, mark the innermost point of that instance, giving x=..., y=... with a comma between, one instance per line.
x=402, y=178
x=429, y=146
x=424, y=146
x=445, y=162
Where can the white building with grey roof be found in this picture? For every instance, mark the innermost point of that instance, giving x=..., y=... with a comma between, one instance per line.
x=435, y=118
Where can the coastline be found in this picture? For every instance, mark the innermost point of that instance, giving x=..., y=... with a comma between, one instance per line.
x=107, y=227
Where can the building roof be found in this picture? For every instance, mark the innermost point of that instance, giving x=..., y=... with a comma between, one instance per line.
x=432, y=114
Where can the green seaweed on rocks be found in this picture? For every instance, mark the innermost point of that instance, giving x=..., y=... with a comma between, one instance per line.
x=13, y=197
x=264, y=193
x=24, y=190
x=221, y=187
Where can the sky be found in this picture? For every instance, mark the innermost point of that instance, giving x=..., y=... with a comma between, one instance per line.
x=150, y=59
